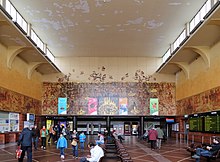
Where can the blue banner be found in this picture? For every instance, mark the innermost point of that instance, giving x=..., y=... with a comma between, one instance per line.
x=62, y=105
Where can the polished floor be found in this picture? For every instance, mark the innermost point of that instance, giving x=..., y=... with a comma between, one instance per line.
x=171, y=151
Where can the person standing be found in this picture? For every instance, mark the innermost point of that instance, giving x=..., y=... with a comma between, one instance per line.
x=75, y=134
x=51, y=134
x=43, y=134
x=56, y=134
x=96, y=153
x=25, y=140
x=63, y=130
x=36, y=136
x=160, y=135
x=82, y=139
x=74, y=143
x=153, y=137
x=62, y=144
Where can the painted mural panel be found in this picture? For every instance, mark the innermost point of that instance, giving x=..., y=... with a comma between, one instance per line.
x=154, y=106
x=14, y=102
x=203, y=102
x=108, y=106
x=92, y=106
x=123, y=106
x=108, y=95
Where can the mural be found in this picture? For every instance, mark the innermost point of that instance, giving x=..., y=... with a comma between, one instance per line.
x=123, y=106
x=14, y=102
x=104, y=98
x=92, y=106
x=203, y=102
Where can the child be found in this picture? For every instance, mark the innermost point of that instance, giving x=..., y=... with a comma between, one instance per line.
x=62, y=144
x=82, y=139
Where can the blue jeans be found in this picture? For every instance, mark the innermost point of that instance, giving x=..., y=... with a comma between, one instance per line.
x=35, y=141
x=75, y=150
x=82, y=145
x=202, y=152
x=62, y=150
x=99, y=142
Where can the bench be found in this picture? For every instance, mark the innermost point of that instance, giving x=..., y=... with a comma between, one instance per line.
x=192, y=149
x=213, y=157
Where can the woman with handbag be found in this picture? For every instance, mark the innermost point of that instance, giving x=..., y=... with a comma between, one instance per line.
x=74, y=144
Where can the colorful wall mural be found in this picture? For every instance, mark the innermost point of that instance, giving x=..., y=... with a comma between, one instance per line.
x=14, y=102
x=124, y=98
x=203, y=102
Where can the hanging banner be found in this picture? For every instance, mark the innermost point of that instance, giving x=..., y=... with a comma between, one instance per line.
x=92, y=106
x=62, y=105
x=154, y=106
x=123, y=106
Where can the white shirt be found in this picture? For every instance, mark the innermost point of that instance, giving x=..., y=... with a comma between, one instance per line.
x=96, y=154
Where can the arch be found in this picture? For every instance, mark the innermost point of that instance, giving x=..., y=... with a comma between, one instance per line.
x=32, y=66
x=12, y=52
x=203, y=51
x=183, y=66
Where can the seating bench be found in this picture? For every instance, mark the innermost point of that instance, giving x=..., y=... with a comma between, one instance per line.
x=192, y=150
x=213, y=157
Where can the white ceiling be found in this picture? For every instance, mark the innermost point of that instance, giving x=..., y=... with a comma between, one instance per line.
x=100, y=28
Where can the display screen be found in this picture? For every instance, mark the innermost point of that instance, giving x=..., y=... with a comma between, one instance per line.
x=205, y=122
x=196, y=123
x=212, y=123
x=30, y=117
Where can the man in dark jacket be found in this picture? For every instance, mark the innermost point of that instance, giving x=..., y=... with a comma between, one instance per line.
x=25, y=140
x=36, y=136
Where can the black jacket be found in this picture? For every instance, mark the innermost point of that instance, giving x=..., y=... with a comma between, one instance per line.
x=25, y=138
x=36, y=132
x=215, y=148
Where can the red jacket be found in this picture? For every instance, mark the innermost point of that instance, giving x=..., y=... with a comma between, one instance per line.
x=152, y=135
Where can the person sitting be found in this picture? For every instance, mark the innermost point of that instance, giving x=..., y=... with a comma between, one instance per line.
x=119, y=136
x=101, y=139
x=209, y=151
x=96, y=153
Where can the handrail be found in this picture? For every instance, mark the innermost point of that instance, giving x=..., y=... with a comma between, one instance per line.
x=188, y=138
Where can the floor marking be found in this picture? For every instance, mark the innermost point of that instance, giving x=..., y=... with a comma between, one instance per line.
x=8, y=152
x=186, y=159
x=158, y=157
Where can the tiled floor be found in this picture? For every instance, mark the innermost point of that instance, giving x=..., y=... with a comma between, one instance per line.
x=171, y=151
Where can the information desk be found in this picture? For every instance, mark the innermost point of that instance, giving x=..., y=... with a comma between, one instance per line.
x=8, y=137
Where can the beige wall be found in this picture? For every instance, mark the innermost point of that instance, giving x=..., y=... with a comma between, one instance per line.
x=116, y=67
x=15, y=79
x=202, y=77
